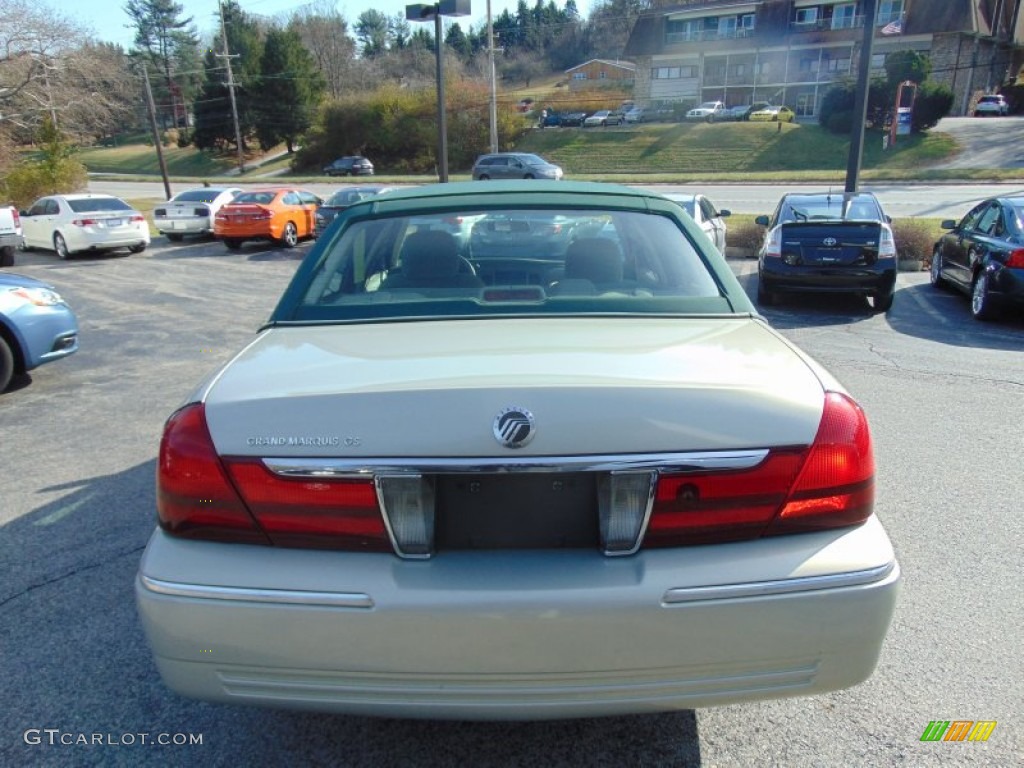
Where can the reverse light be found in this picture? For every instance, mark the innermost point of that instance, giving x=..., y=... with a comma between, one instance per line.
x=624, y=504
x=773, y=245
x=409, y=502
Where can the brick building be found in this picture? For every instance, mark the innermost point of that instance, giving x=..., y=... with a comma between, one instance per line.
x=600, y=72
x=790, y=51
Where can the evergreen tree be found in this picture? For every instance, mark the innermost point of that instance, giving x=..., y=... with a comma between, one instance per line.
x=457, y=41
x=290, y=89
x=372, y=32
x=171, y=48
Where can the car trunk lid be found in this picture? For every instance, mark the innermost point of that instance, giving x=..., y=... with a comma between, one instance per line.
x=832, y=243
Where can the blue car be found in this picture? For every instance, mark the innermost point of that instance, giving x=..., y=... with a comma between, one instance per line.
x=36, y=326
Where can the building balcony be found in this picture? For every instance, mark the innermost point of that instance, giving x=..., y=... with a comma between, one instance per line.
x=824, y=25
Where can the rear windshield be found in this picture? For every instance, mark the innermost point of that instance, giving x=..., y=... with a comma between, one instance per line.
x=198, y=196
x=94, y=204
x=349, y=196
x=260, y=198
x=513, y=262
x=830, y=208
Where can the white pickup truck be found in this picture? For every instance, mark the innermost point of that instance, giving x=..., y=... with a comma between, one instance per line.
x=10, y=234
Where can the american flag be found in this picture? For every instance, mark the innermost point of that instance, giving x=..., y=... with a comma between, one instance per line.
x=893, y=28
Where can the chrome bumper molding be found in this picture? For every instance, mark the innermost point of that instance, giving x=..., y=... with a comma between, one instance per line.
x=250, y=595
x=780, y=586
x=368, y=467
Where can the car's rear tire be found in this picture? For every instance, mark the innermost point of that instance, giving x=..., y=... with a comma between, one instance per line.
x=137, y=248
x=175, y=238
x=232, y=243
x=7, y=256
x=60, y=246
x=6, y=364
x=290, y=236
x=766, y=297
x=882, y=302
x=528, y=176
x=484, y=177
x=935, y=270
x=982, y=303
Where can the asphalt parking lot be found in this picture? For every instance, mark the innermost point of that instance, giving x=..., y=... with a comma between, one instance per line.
x=78, y=439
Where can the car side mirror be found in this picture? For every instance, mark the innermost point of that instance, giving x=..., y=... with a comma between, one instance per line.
x=948, y=224
x=888, y=219
x=724, y=213
x=761, y=221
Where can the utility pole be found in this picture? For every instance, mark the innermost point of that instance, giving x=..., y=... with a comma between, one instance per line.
x=151, y=108
x=860, y=104
x=442, y=126
x=494, y=83
x=231, y=88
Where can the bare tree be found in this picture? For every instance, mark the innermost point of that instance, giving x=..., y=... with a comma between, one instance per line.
x=324, y=31
x=48, y=67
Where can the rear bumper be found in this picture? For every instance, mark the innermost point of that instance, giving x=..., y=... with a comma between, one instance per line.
x=184, y=226
x=1008, y=285
x=518, y=635
x=879, y=278
x=79, y=239
x=11, y=241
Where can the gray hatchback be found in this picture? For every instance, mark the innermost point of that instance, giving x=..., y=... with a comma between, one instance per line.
x=514, y=165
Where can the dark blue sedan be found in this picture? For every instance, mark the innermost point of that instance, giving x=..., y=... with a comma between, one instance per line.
x=36, y=326
x=983, y=256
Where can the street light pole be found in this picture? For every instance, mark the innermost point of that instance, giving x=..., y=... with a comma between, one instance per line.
x=860, y=102
x=494, y=81
x=442, y=120
x=434, y=11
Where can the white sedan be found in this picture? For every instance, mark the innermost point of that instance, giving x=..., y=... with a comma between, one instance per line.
x=192, y=212
x=70, y=224
x=580, y=478
x=708, y=217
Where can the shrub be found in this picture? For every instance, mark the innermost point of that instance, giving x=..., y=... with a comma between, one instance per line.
x=29, y=181
x=933, y=102
x=914, y=239
x=744, y=235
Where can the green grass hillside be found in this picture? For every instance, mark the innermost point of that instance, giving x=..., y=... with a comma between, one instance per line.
x=731, y=148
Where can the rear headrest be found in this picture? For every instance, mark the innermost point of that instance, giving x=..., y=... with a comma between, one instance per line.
x=430, y=255
x=594, y=258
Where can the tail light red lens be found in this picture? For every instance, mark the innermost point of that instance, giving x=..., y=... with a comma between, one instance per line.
x=262, y=214
x=304, y=512
x=137, y=217
x=829, y=485
x=194, y=497
x=83, y=222
x=17, y=217
x=1014, y=261
x=203, y=496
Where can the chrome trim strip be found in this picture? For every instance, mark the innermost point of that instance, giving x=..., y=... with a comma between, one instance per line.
x=365, y=468
x=256, y=595
x=778, y=587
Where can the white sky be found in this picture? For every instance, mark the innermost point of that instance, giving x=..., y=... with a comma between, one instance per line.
x=109, y=21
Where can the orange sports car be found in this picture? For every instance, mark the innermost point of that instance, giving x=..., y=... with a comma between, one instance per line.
x=281, y=214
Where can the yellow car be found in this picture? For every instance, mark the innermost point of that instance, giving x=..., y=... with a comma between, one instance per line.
x=773, y=115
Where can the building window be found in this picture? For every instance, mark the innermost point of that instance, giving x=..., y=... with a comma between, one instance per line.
x=844, y=16
x=579, y=76
x=877, y=60
x=806, y=15
x=727, y=26
x=603, y=75
x=672, y=73
x=741, y=69
x=683, y=31
x=889, y=11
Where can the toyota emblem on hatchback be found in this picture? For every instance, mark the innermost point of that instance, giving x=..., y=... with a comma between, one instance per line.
x=514, y=427
x=830, y=242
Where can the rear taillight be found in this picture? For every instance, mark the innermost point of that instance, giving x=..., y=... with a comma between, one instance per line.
x=836, y=486
x=262, y=215
x=829, y=485
x=1016, y=259
x=773, y=245
x=305, y=512
x=194, y=497
x=201, y=211
x=137, y=217
x=17, y=217
x=203, y=496
x=83, y=222
x=886, y=244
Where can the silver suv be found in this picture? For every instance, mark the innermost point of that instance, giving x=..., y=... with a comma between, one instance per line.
x=514, y=165
x=991, y=104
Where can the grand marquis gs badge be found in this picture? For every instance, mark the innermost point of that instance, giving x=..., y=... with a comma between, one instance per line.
x=514, y=427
